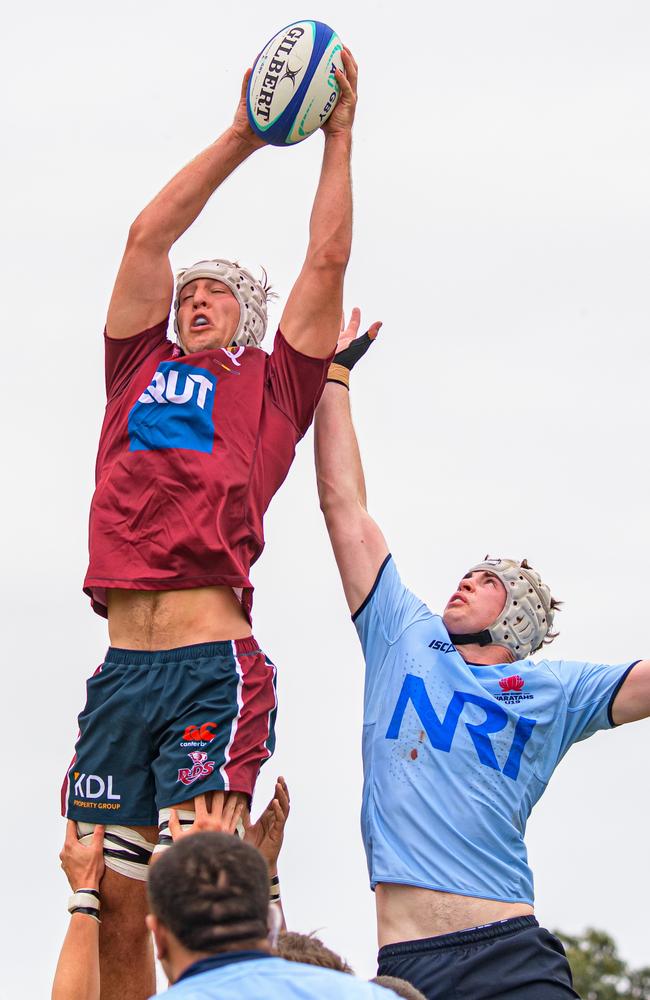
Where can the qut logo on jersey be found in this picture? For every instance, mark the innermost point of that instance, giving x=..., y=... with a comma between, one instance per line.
x=441, y=731
x=175, y=410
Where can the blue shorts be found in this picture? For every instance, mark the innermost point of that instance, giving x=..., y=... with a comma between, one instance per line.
x=509, y=960
x=159, y=728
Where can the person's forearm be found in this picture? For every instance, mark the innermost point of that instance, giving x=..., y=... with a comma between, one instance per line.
x=77, y=971
x=339, y=471
x=181, y=201
x=330, y=226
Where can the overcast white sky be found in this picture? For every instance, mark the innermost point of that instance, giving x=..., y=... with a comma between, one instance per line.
x=501, y=167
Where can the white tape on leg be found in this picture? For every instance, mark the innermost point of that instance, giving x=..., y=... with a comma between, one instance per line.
x=125, y=850
x=185, y=817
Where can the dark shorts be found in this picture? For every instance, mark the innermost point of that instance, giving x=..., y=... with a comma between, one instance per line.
x=159, y=728
x=510, y=960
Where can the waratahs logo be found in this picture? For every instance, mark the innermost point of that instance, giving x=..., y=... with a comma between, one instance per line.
x=512, y=688
x=514, y=683
x=175, y=410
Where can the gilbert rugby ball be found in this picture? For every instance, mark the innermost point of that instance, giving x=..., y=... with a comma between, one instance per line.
x=292, y=89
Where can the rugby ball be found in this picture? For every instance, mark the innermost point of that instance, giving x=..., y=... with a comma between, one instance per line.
x=293, y=89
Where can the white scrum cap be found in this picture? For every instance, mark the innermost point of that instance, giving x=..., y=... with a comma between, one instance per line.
x=249, y=293
x=527, y=615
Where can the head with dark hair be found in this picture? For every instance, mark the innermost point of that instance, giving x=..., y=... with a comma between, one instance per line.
x=208, y=893
x=399, y=986
x=309, y=949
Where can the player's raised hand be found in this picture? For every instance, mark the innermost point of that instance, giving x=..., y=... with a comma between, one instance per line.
x=350, y=332
x=240, y=125
x=342, y=117
x=221, y=816
x=83, y=864
x=350, y=348
x=267, y=833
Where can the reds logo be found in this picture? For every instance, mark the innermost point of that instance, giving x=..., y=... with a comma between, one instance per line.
x=201, y=768
x=514, y=683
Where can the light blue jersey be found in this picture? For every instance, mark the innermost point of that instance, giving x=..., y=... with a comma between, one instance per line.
x=455, y=754
x=273, y=977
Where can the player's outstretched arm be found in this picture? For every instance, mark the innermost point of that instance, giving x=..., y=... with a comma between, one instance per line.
x=310, y=321
x=77, y=971
x=632, y=702
x=144, y=286
x=358, y=544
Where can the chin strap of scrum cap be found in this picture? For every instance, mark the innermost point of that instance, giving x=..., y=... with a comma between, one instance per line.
x=483, y=638
x=527, y=615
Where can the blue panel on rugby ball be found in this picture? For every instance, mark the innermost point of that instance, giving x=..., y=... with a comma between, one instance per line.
x=292, y=90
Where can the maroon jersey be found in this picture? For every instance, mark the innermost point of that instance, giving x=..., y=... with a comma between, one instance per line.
x=191, y=452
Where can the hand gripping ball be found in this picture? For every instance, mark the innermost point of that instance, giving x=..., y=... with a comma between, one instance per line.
x=293, y=89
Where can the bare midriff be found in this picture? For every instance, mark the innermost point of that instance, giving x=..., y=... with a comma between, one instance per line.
x=167, y=619
x=408, y=913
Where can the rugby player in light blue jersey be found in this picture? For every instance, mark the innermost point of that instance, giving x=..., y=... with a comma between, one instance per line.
x=462, y=731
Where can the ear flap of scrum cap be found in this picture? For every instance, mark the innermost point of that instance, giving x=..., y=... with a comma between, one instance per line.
x=527, y=616
x=249, y=293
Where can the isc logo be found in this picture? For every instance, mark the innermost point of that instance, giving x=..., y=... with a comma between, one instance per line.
x=441, y=731
x=187, y=423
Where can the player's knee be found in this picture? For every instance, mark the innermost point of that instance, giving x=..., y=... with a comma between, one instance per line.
x=124, y=908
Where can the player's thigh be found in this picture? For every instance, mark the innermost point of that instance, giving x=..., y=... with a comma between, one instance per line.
x=120, y=892
x=219, y=804
x=220, y=727
x=110, y=780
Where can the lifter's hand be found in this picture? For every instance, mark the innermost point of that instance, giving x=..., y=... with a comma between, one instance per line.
x=221, y=816
x=83, y=865
x=342, y=116
x=267, y=833
x=241, y=125
x=349, y=333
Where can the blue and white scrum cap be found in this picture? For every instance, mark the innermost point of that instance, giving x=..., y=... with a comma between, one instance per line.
x=250, y=294
x=527, y=615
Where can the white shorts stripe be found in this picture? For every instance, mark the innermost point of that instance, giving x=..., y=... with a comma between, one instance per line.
x=235, y=721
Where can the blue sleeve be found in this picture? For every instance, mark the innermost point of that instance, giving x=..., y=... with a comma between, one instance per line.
x=386, y=613
x=590, y=690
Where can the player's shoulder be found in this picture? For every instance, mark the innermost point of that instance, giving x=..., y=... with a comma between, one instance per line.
x=554, y=677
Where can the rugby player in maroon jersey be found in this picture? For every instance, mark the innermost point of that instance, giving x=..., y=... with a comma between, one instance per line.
x=198, y=436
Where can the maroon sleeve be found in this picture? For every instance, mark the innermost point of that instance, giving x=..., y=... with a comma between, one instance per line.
x=296, y=382
x=123, y=357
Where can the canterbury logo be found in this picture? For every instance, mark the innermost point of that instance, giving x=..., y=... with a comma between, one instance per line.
x=514, y=683
x=204, y=732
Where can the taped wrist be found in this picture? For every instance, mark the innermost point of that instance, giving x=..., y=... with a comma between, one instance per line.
x=344, y=361
x=85, y=901
x=339, y=373
x=274, y=889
